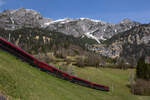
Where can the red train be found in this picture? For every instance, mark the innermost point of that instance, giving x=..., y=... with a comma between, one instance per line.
x=9, y=47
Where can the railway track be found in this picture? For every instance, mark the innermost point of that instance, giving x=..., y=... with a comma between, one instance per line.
x=21, y=54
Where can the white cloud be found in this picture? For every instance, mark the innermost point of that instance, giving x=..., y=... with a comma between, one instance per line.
x=2, y=2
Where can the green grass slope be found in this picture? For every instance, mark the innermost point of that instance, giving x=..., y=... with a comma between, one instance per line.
x=20, y=81
x=116, y=79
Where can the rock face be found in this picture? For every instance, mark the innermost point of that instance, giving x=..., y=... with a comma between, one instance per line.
x=94, y=29
x=129, y=45
x=127, y=39
x=16, y=19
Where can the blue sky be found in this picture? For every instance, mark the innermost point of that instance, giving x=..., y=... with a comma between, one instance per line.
x=106, y=10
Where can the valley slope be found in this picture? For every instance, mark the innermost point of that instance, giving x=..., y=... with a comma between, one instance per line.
x=18, y=80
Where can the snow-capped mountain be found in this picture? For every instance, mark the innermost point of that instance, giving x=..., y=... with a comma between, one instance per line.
x=94, y=29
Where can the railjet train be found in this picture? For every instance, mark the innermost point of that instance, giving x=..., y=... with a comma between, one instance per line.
x=14, y=50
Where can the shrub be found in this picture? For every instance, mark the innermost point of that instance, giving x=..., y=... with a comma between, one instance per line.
x=90, y=59
x=80, y=62
x=93, y=60
x=68, y=61
x=68, y=69
x=61, y=53
x=143, y=69
x=141, y=87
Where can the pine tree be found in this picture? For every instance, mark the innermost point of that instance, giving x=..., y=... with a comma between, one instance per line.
x=142, y=69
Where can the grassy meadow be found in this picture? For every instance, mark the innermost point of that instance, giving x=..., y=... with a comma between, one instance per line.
x=20, y=81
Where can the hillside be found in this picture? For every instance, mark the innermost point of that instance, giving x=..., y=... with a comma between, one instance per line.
x=129, y=45
x=35, y=40
x=18, y=81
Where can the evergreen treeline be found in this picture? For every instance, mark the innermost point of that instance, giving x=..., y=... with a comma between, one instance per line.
x=143, y=69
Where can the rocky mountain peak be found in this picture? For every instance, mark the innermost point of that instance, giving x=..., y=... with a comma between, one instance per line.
x=96, y=29
x=17, y=18
x=126, y=20
x=20, y=11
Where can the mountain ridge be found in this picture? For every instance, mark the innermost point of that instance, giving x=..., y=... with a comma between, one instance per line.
x=128, y=46
x=102, y=34
x=95, y=29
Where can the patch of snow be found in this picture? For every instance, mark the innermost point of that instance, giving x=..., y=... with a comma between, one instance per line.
x=93, y=20
x=102, y=38
x=97, y=21
x=130, y=26
x=67, y=20
x=12, y=20
x=83, y=36
x=83, y=18
x=62, y=21
x=59, y=20
x=89, y=35
x=47, y=23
